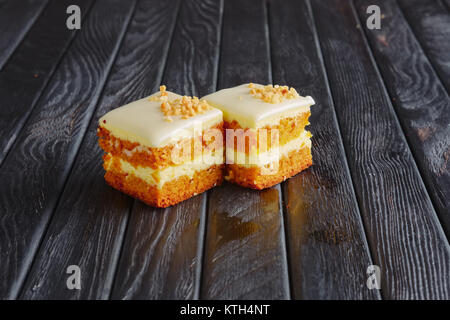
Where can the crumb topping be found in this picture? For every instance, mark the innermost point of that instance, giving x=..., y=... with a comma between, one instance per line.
x=185, y=107
x=273, y=94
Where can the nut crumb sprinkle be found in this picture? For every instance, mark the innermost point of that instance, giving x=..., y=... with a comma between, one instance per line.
x=185, y=107
x=273, y=93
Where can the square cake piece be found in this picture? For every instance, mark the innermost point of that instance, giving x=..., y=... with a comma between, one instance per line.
x=266, y=140
x=163, y=149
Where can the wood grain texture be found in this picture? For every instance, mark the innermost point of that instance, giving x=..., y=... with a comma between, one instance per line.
x=22, y=80
x=16, y=19
x=245, y=254
x=193, y=58
x=421, y=101
x=329, y=255
x=403, y=231
x=56, y=209
x=430, y=21
x=162, y=253
x=33, y=174
x=447, y=4
x=91, y=218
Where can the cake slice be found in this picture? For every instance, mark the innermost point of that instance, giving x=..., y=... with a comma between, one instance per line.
x=163, y=149
x=266, y=140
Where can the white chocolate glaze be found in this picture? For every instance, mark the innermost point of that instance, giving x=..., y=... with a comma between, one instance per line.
x=142, y=121
x=238, y=104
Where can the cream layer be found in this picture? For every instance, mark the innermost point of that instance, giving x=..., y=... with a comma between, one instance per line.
x=270, y=156
x=159, y=177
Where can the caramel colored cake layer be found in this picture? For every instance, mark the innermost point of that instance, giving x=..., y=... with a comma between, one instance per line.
x=164, y=148
x=172, y=192
x=288, y=128
x=254, y=177
x=155, y=158
x=268, y=142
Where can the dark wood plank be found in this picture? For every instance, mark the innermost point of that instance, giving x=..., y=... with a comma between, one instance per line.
x=421, y=101
x=329, y=255
x=430, y=21
x=245, y=254
x=34, y=172
x=16, y=19
x=90, y=223
x=160, y=255
x=193, y=58
x=405, y=236
x=447, y=4
x=162, y=252
x=46, y=43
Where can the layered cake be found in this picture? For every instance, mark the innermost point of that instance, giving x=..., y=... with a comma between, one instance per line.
x=266, y=140
x=163, y=149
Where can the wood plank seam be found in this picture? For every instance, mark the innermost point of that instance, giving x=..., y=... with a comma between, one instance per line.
x=366, y=72
x=4, y=153
x=340, y=139
x=434, y=214
x=284, y=238
x=134, y=75
x=169, y=269
x=234, y=265
x=169, y=47
x=386, y=93
x=113, y=270
x=134, y=202
x=24, y=34
x=425, y=52
x=422, y=166
x=397, y=120
x=219, y=56
x=201, y=246
x=323, y=224
x=267, y=35
x=204, y=220
x=285, y=242
x=83, y=129
x=204, y=215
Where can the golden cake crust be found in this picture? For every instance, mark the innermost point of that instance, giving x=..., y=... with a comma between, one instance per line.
x=251, y=177
x=172, y=192
x=289, y=128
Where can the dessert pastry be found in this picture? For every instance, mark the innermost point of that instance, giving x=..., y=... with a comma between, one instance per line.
x=266, y=140
x=163, y=149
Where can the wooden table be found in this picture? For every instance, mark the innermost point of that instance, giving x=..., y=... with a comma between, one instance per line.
x=378, y=193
